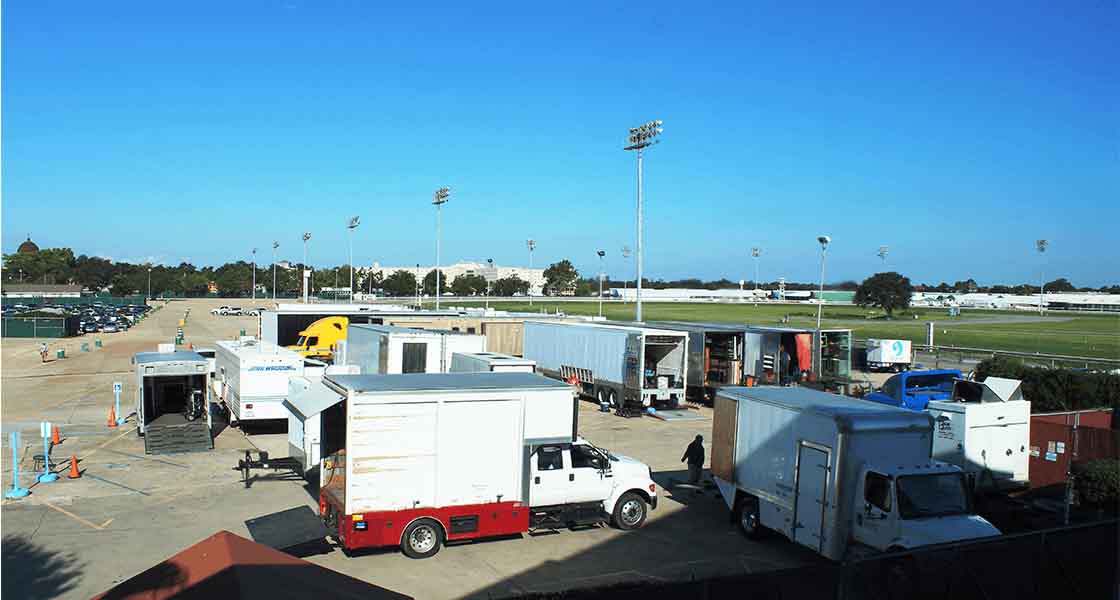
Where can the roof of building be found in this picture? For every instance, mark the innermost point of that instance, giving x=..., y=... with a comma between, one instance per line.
x=851, y=413
x=177, y=356
x=225, y=565
x=443, y=382
x=27, y=247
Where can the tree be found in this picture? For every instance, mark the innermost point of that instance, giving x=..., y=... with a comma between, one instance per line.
x=510, y=286
x=1060, y=284
x=560, y=279
x=468, y=285
x=430, y=283
x=888, y=291
x=400, y=283
x=965, y=287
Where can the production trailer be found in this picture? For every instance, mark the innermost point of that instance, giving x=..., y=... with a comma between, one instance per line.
x=388, y=350
x=490, y=362
x=423, y=459
x=841, y=476
x=173, y=402
x=623, y=366
x=715, y=355
x=822, y=356
x=252, y=378
x=888, y=355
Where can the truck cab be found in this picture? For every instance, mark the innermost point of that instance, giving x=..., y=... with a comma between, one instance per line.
x=900, y=507
x=578, y=483
x=320, y=339
x=915, y=389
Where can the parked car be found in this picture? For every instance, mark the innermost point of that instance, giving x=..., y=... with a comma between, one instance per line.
x=109, y=328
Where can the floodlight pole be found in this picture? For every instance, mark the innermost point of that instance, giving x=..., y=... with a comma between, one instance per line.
x=1041, y=246
x=254, y=274
x=601, y=254
x=490, y=262
x=275, y=245
x=641, y=137
x=303, y=268
x=824, y=241
x=149, y=282
x=439, y=199
x=351, y=226
x=530, y=244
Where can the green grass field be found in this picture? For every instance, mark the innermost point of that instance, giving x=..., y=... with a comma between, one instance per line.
x=1092, y=335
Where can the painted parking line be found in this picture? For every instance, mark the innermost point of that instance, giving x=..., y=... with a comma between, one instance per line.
x=77, y=518
x=120, y=485
x=159, y=460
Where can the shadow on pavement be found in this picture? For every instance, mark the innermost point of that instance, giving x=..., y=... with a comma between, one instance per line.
x=31, y=571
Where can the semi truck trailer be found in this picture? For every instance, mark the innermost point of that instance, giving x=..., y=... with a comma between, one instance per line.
x=422, y=459
x=715, y=355
x=623, y=366
x=173, y=401
x=251, y=379
x=841, y=476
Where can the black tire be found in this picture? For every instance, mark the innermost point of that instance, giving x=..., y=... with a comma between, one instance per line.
x=612, y=399
x=630, y=512
x=601, y=396
x=750, y=522
x=422, y=539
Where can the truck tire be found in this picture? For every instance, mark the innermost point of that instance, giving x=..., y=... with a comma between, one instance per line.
x=422, y=539
x=612, y=399
x=750, y=522
x=629, y=512
x=601, y=396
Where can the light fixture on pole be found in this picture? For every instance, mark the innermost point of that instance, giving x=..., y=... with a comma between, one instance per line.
x=275, y=245
x=640, y=138
x=530, y=244
x=254, y=274
x=439, y=199
x=601, y=255
x=625, y=257
x=824, y=241
x=351, y=226
x=489, y=262
x=305, y=271
x=1041, y=246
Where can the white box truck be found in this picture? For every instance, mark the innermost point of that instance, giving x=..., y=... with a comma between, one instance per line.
x=985, y=429
x=389, y=350
x=623, y=366
x=482, y=362
x=251, y=378
x=888, y=355
x=835, y=474
x=422, y=459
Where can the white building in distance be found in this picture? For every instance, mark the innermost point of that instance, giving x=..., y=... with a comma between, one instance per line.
x=535, y=277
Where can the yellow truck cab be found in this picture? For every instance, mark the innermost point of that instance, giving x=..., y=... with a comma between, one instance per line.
x=321, y=338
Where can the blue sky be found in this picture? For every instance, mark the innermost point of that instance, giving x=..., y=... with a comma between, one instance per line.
x=957, y=133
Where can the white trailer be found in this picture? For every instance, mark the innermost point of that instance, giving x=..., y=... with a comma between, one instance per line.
x=307, y=399
x=891, y=355
x=389, y=350
x=416, y=460
x=172, y=401
x=836, y=474
x=252, y=378
x=482, y=362
x=985, y=430
x=623, y=366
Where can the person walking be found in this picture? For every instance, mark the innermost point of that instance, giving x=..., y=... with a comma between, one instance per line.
x=694, y=454
x=43, y=351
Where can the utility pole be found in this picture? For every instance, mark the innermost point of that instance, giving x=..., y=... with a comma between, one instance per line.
x=641, y=137
x=351, y=226
x=275, y=245
x=439, y=199
x=530, y=244
x=823, y=240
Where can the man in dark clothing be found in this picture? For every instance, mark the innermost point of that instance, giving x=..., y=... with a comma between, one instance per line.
x=695, y=456
x=783, y=366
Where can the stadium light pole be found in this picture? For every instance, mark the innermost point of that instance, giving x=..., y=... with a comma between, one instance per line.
x=351, y=226
x=275, y=245
x=149, y=280
x=601, y=255
x=824, y=241
x=303, y=268
x=439, y=199
x=1041, y=246
x=625, y=257
x=490, y=262
x=530, y=244
x=254, y=274
x=755, y=253
x=641, y=137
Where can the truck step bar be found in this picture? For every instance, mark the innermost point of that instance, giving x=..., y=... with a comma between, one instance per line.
x=567, y=515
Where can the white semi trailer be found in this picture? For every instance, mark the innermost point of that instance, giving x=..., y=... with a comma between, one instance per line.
x=623, y=366
x=835, y=474
x=251, y=378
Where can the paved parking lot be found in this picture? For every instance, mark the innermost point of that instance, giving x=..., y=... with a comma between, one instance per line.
x=75, y=538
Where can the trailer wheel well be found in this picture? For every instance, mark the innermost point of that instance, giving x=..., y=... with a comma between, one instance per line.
x=639, y=491
x=442, y=530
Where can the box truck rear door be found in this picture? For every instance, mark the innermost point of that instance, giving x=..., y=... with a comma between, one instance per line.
x=812, y=488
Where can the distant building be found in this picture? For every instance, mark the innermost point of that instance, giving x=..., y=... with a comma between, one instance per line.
x=535, y=277
x=28, y=247
x=41, y=290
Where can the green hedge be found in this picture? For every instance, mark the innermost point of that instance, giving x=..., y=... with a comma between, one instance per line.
x=1098, y=482
x=1053, y=390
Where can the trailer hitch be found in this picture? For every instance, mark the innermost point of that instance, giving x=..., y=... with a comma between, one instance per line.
x=287, y=467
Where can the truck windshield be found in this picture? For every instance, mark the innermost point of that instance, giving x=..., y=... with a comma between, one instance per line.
x=921, y=496
x=301, y=341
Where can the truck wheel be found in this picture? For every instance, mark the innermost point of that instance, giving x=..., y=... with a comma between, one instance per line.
x=629, y=511
x=749, y=521
x=601, y=396
x=422, y=539
x=612, y=399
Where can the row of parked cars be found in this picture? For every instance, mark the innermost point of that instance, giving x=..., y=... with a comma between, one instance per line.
x=237, y=311
x=103, y=318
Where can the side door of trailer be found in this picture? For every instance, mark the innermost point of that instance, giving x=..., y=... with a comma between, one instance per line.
x=812, y=492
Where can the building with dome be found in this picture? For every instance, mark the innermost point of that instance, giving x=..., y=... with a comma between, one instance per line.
x=28, y=247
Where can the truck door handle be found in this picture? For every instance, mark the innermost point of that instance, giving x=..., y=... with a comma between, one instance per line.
x=571, y=476
x=536, y=480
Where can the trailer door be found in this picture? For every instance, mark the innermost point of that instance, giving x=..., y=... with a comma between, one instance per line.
x=812, y=488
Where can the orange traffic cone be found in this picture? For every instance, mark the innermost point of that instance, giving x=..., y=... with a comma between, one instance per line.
x=55, y=440
x=74, y=473
x=190, y=346
x=112, y=417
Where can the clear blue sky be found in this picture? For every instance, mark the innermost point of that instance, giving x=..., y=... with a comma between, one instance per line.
x=955, y=132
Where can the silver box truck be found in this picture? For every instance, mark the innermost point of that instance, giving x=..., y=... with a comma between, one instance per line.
x=836, y=474
x=623, y=366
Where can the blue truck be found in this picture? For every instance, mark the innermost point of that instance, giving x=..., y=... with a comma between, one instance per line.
x=915, y=389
